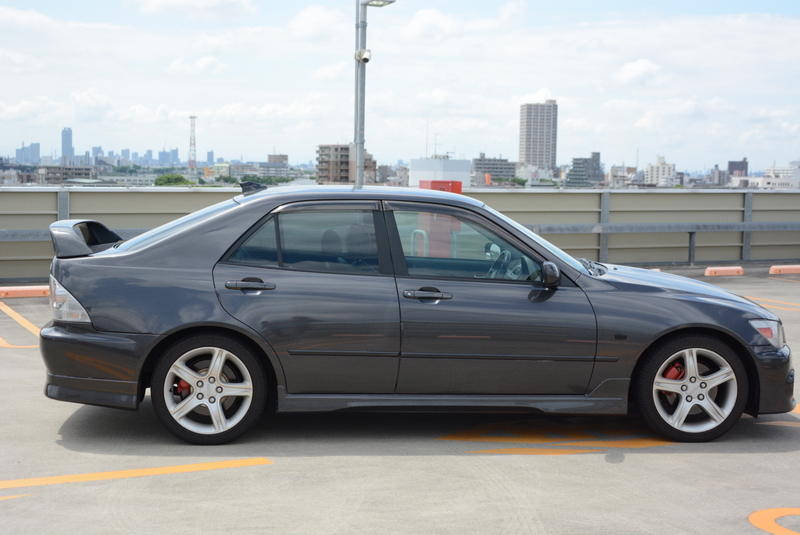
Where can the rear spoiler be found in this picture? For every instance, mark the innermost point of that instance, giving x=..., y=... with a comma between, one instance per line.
x=81, y=237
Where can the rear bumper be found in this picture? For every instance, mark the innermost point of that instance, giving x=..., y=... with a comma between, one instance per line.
x=776, y=379
x=103, y=392
x=92, y=367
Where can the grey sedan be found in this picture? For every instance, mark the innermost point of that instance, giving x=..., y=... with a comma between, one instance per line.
x=326, y=298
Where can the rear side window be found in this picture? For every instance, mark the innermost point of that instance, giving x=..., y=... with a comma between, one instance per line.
x=341, y=241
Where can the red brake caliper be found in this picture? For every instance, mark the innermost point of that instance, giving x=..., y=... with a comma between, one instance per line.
x=674, y=373
x=183, y=388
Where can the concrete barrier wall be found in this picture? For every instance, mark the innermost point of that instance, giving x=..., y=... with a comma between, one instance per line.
x=124, y=208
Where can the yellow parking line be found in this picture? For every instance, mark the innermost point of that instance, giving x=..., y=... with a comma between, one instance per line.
x=765, y=520
x=784, y=280
x=19, y=319
x=124, y=474
x=5, y=344
x=17, y=496
x=535, y=451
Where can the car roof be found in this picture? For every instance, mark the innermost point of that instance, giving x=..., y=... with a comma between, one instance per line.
x=313, y=193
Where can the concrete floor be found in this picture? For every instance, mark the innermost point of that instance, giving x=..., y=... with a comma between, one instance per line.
x=377, y=473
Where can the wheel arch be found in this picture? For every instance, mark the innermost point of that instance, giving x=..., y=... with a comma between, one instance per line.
x=146, y=371
x=753, y=383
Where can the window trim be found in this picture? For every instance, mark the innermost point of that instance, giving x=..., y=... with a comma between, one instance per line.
x=385, y=265
x=398, y=255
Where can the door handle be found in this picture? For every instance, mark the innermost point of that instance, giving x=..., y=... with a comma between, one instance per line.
x=425, y=294
x=249, y=285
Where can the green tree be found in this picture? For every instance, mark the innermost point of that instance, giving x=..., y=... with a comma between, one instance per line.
x=172, y=180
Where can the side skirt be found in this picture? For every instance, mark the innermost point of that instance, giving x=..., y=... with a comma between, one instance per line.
x=610, y=397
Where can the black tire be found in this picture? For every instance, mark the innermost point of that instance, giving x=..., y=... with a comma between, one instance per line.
x=208, y=389
x=691, y=388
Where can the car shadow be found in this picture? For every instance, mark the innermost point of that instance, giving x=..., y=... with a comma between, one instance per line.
x=139, y=433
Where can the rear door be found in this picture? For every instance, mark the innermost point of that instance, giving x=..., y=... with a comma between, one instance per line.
x=314, y=279
x=476, y=318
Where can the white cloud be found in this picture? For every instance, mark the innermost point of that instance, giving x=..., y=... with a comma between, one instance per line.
x=337, y=71
x=40, y=110
x=15, y=62
x=640, y=71
x=204, y=65
x=210, y=9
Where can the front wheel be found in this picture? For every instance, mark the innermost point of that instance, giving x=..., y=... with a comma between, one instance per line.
x=208, y=389
x=692, y=389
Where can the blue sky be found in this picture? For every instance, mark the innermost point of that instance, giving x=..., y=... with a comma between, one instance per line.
x=698, y=82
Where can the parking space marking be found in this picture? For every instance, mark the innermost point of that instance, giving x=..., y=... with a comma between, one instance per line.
x=566, y=438
x=534, y=451
x=19, y=319
x=11, y=313
x=784, y=280
x=12, y=497
x=766, y=520
x=762, y=301
x=125, y=474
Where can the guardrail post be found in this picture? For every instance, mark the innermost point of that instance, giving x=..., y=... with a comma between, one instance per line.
x=605, y=208
x=692, y=239
x=748, y=217
x=63, y=204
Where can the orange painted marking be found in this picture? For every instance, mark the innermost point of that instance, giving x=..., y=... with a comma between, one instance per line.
x=625, y=443
x=780, y=270
x=781, y=424
x=19, y=319
x=724, y=271
x=12, y=497
x=24, y=291
x=796, y=409
x=517, y=434
x=765, y=520
x=125, y=474
x=5, y=344
x=772, y=301
x=534, y=451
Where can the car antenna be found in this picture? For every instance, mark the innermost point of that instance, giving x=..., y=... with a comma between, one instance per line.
x=248, y=188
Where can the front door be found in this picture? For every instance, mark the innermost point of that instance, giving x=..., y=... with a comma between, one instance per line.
x=476, y=318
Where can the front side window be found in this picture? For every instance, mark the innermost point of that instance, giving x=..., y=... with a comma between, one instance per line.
x=341, y=241
x=450, y=246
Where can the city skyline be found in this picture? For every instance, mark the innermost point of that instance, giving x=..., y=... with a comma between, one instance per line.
x=701, y=84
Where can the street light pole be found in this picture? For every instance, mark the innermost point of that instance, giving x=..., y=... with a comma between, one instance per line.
x=362, y=57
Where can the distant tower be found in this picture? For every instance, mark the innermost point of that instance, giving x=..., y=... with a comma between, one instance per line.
x=192, y=149
x=538, y=133
x=67, y=150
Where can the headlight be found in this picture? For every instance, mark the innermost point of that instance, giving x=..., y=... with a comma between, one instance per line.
x=65, y=307
x=771, y=330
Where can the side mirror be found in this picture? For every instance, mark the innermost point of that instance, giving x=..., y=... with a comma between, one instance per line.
x=551, y=274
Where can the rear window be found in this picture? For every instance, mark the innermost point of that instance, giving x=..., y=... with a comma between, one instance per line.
x=157, y=234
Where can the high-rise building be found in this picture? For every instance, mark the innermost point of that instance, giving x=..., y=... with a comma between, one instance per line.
x=334, y=165
x=67, y=150
x=210, y=157
x=586, y=172
x=660, y=173
x=126, y=153
x=173, y=157
x=97, y=152
x=496, y=167
x=737, y=169
x=278, y=158
x=538, y=131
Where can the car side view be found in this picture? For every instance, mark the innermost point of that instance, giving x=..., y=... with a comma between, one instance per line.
x=328, y=298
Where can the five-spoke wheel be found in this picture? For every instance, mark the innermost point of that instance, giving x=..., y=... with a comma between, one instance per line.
x=208, y=389
x=692, y=389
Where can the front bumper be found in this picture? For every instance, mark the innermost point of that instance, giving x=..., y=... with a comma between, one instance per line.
x=776, y=379
x=91, y=367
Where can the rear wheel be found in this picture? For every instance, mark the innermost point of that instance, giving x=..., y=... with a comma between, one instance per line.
x=692, y=389
x=208, y=389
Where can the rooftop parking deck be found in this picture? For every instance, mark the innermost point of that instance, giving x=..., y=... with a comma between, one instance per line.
x=95, y=470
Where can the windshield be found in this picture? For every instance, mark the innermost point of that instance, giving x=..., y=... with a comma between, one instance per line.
x=152, y=236
x=564, y=257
